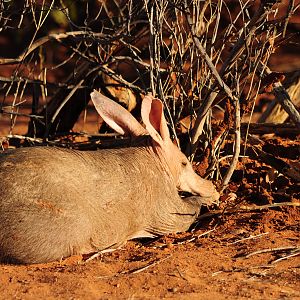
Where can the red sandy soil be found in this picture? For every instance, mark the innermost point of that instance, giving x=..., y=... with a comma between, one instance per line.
x=214, y=266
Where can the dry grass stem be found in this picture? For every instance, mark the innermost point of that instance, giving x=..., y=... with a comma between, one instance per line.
x=251, y=237
x=280, y=249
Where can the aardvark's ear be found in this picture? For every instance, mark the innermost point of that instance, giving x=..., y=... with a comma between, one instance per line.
x=154, y=119
x=116, y=116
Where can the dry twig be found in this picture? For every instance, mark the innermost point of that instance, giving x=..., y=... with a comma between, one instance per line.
x=279, y=249
x=251, y=237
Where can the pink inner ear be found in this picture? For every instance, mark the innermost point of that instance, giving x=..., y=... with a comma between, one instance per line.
x=156, y=113
x=154, y=119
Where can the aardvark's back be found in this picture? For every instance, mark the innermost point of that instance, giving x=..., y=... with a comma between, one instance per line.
x=57, y=202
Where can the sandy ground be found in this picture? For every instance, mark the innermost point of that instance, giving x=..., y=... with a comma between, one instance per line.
x=183, y=266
